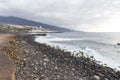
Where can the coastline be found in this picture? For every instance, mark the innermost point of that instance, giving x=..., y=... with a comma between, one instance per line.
x=36, y=61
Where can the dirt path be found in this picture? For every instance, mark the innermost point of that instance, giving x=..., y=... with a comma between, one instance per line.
x=6, y=65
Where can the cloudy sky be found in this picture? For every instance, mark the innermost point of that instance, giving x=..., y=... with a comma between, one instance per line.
x=84, y=15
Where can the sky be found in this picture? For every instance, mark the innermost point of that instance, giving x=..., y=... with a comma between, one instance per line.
x=83, y=15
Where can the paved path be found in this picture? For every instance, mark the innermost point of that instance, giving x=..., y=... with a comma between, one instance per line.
x=6, y=65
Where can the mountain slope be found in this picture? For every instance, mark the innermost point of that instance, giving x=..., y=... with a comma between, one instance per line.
x=21, y=21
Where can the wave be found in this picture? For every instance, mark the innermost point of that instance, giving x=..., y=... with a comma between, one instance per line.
x=60, y=39
x=108, y=59
x=51, y=38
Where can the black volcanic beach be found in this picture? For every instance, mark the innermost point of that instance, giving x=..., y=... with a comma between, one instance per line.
x=36, y=61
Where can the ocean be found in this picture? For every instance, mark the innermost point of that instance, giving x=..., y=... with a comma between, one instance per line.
x=102, y=46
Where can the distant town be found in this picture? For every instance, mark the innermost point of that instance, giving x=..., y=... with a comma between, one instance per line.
x=25, y=28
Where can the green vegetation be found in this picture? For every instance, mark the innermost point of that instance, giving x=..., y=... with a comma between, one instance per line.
x=7, y=28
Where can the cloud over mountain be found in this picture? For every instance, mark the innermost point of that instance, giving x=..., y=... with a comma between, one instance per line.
x=77, y=14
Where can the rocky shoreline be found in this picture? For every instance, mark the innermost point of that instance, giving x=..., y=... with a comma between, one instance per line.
x=36, y=61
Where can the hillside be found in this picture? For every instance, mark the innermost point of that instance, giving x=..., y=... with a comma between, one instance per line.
x=21, y=21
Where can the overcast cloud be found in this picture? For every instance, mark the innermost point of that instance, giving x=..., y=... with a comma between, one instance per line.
x=86, y=15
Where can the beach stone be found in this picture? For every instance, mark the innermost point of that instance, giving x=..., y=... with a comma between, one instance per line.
x=96, y=77
x=37, y=63
x=24, y=59
x=36, y=68
x=73, y=69
x=38, y=78
x=47, y=60
x=44, y=62
x=106, y=79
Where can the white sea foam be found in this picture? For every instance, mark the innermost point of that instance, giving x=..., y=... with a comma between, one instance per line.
x=110, y=59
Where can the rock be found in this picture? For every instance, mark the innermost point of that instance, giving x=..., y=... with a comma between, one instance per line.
x=118, y=43
x=37, y=63
x=47, y=60
x=44, y=62
x=24, y=59
x=106, y=79
x=37, y=78
x=73, y=69
x=36, y=68
x=96, y=77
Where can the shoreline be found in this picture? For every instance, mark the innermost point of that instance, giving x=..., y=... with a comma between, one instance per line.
x=42, y=62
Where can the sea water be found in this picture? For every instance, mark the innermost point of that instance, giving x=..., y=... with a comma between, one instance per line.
x=102, y=46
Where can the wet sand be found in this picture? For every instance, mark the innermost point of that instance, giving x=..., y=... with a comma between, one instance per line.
x=6, y=65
